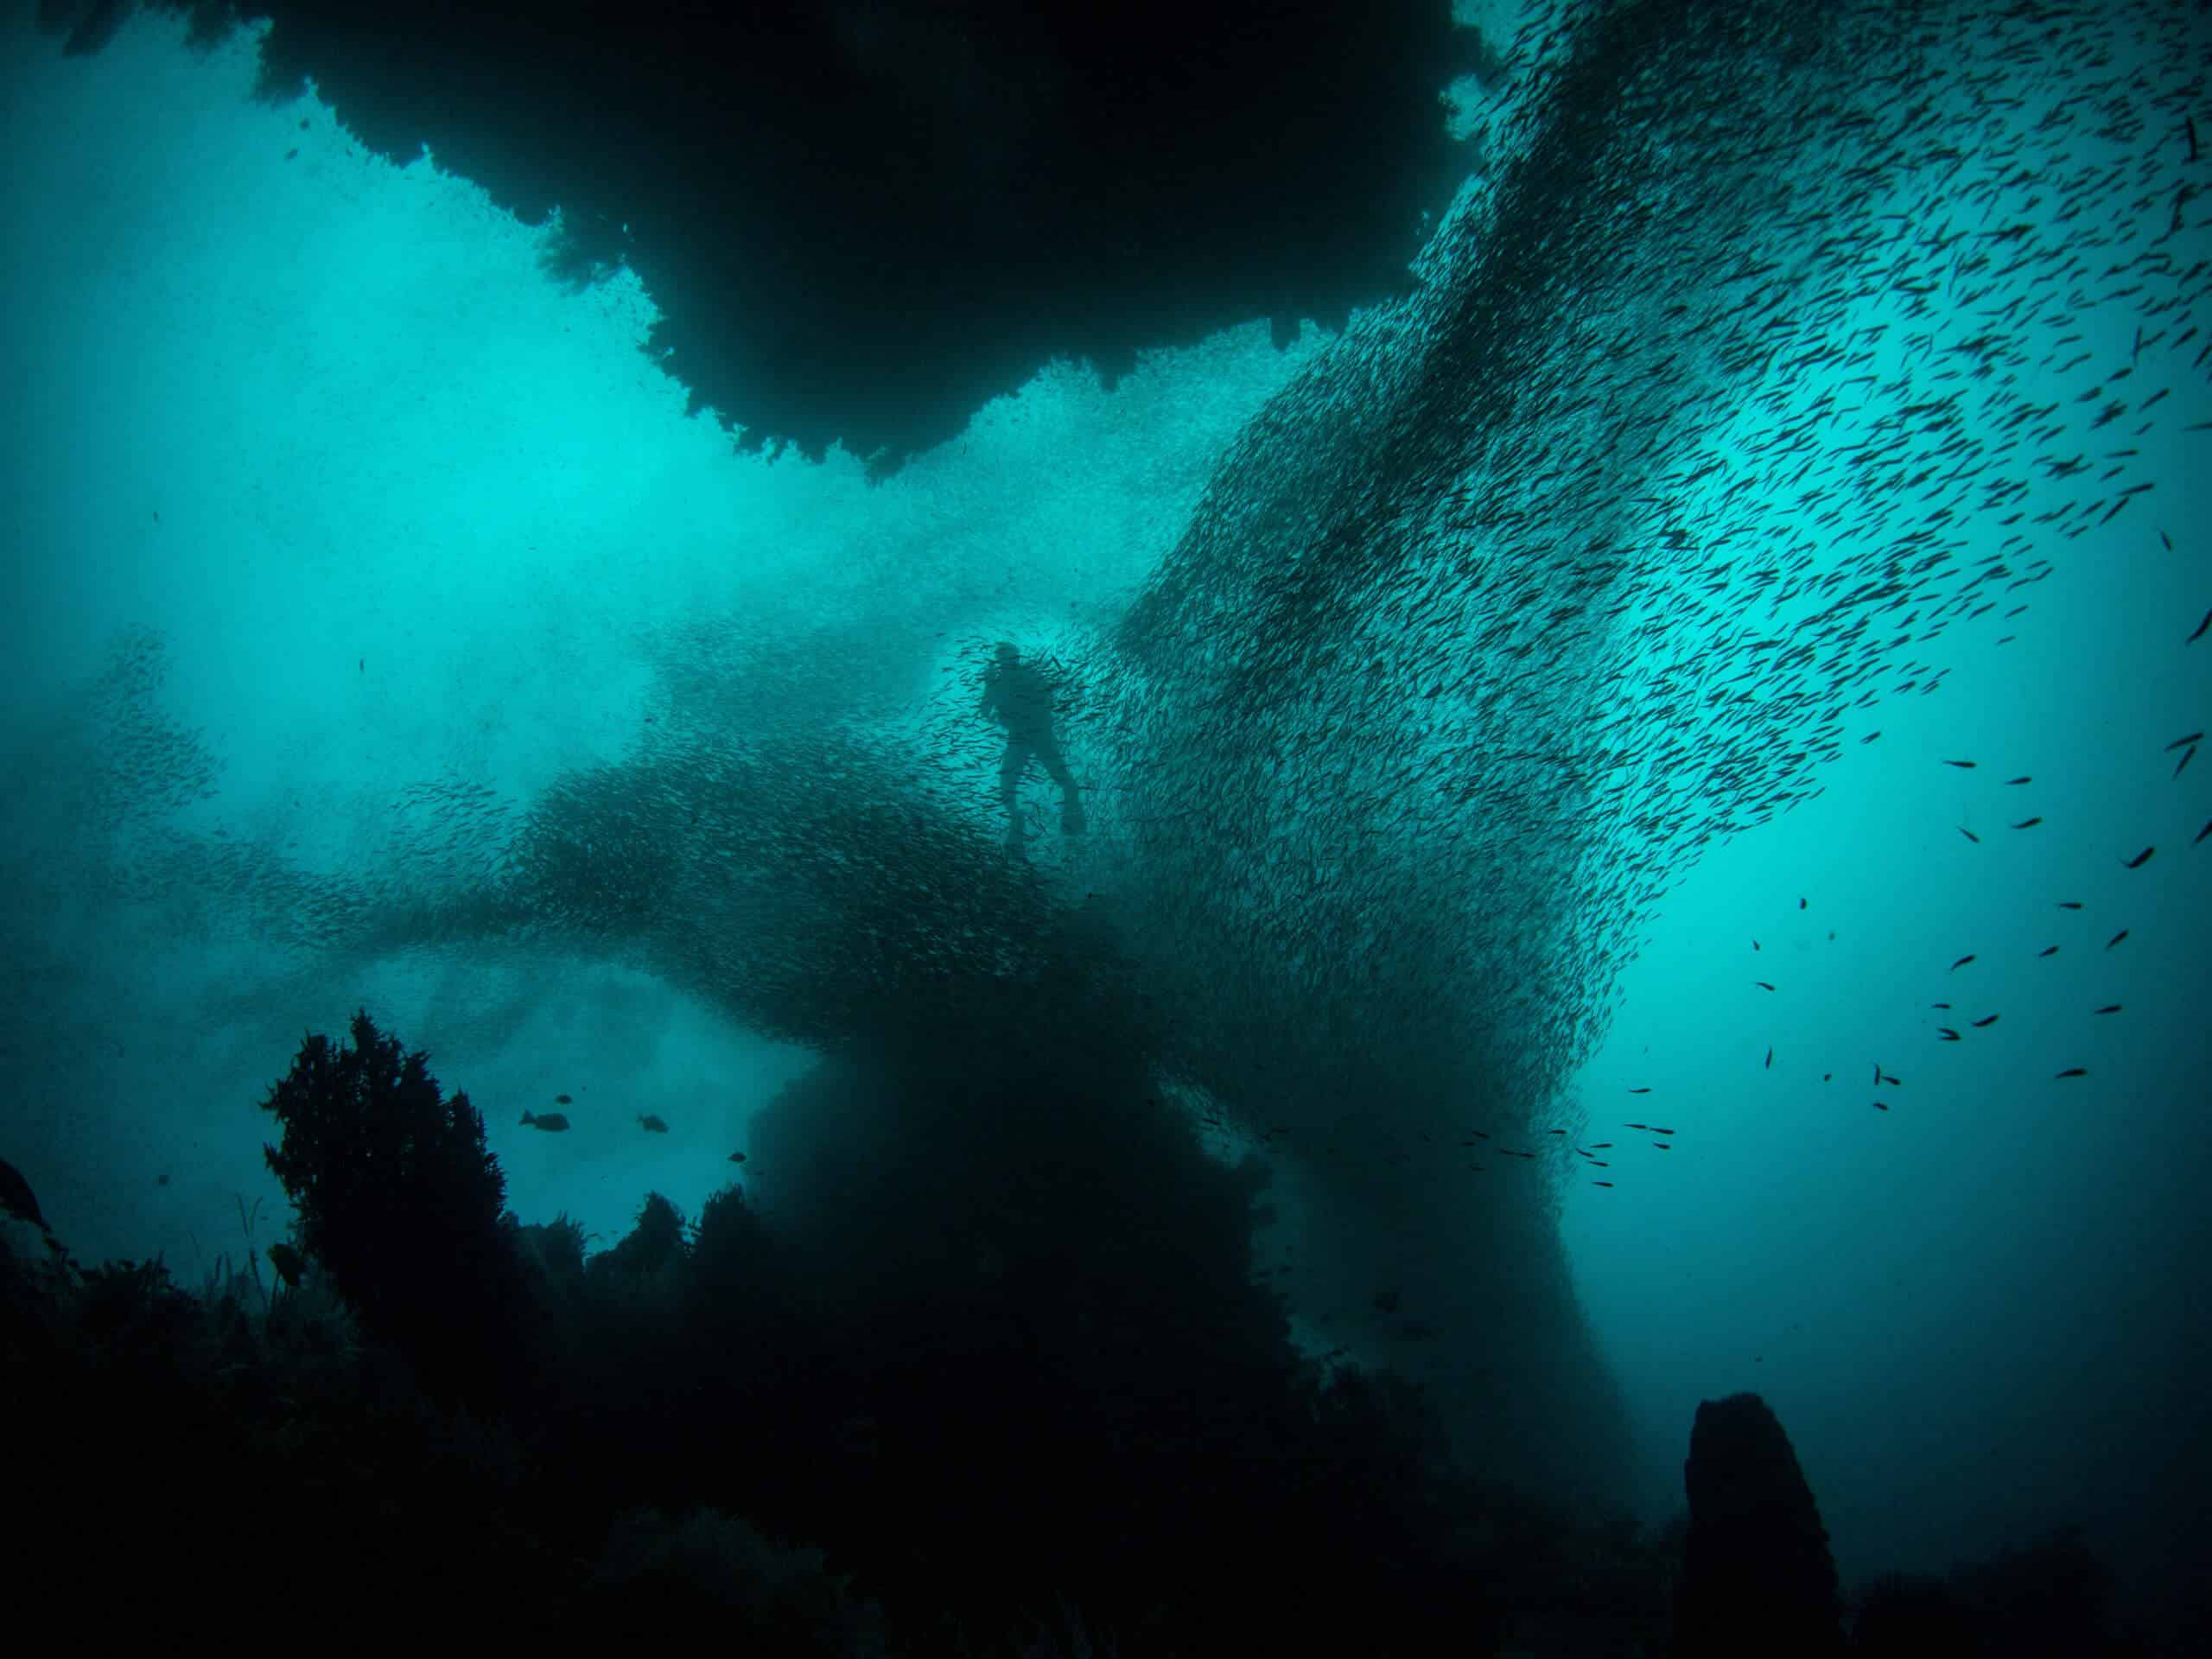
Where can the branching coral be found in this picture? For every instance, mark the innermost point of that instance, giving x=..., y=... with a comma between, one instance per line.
x=401, y=1202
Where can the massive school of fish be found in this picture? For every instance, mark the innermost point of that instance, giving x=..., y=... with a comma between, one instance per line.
x=1776, y=348
x=1787, y=345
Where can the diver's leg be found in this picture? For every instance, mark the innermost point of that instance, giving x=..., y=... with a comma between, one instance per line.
x=1015, y=762
x=1071, y=802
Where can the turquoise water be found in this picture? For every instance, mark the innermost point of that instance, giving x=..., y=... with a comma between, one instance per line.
x=323, y=496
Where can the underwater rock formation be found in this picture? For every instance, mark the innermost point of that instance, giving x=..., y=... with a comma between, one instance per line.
x=1756, y=1574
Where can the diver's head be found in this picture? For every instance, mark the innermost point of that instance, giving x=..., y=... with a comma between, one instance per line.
x=1006, y=651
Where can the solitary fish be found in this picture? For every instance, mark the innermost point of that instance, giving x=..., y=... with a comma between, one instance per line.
x=2109, y=1008
x=1964, y=766
x=2048, y=950
x=1959, y=963
x=737, y=1157
x=1761, y=984
x=2186, y=755
x=290, y=1265
x=1947, y=1033
x=2073, y=1071
x=1881, y=1106
x=2027, y=824
x=651, y=1124
x=2199, y=635
x=2140, y=858
x=1769, y=1059
x=562, y=1100
x=1989, y=1019
x=2009, y=781
x=2206, y=831
x=2183, y=742
x=2115, y=939
x=1644, y=1090
x=1970, y=835
x=552, y=1122
x=2069, y=904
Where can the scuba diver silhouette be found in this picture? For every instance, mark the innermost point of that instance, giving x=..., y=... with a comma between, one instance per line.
x=1020, y=698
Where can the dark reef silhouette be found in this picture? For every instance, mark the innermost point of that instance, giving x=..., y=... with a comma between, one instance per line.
x=862, y=222
x=986, y=1369
x=1757, y=1575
